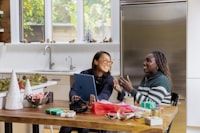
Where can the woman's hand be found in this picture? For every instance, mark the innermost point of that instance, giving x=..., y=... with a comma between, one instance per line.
x=75, y=97
x=116, y=86
x=126, y=83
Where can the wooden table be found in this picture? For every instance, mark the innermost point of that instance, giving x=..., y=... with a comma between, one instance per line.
x=37, y=116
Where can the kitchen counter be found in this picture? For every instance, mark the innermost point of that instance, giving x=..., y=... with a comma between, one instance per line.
x=34, y=88
x=47, y=71
x=40, y=71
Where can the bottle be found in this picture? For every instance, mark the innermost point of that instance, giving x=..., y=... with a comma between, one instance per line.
x=92, y=99
x=156, y=111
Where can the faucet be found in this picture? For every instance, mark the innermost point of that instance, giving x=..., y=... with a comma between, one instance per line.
x=71, y=67
x=50, y=60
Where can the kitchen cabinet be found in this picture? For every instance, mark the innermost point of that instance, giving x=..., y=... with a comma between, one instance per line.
x=1, y=15
x=61, y=90
x=5, y=23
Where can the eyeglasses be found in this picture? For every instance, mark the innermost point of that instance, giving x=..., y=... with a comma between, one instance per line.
x=107, y=62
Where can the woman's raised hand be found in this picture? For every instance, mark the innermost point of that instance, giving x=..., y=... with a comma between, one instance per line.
x=116, y=86
x=126, y=83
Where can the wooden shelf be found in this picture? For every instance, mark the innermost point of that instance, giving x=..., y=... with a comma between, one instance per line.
x=1, y=29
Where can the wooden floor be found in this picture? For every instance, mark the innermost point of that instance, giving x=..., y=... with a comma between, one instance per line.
x=178, y=125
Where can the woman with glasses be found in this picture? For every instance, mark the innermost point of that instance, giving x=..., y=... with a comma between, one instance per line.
x=101, y=66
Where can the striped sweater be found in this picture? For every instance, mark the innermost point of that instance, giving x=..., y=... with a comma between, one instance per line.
x=156, y=89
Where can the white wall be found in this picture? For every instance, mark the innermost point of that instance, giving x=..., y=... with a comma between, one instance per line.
x=193, y=67
x=26, y=57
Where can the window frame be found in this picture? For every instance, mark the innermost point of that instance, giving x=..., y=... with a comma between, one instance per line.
x=15, y=21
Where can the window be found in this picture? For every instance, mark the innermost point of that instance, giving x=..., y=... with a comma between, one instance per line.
x=97, y=19
x=32, y=20
x=65, y=20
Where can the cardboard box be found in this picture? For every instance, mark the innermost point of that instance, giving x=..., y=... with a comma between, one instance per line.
x=153, y=121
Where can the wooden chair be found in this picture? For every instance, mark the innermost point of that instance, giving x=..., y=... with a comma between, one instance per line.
x=174, y=101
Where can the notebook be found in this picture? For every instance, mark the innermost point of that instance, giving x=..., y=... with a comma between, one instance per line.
x=85, y=85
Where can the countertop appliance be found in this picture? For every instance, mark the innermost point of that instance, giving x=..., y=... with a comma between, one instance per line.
x=148, y=25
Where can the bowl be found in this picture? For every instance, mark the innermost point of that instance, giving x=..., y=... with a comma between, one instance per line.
x=36, y=102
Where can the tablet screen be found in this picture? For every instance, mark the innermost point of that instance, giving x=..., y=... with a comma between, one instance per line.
x=85, y=85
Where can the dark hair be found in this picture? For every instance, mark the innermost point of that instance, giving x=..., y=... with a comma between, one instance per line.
x=96, y=57
x=162, y=64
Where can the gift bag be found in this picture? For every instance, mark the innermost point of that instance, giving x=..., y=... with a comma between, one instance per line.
x=101, y=108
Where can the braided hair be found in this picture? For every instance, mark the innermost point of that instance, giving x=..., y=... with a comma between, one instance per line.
x=162, y=63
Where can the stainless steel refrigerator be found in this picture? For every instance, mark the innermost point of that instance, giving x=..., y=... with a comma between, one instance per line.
x=148, y=25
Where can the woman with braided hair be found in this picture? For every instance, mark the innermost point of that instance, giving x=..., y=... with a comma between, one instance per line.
x=156, y=84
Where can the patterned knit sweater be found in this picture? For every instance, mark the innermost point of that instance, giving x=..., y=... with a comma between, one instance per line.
x=156, y=88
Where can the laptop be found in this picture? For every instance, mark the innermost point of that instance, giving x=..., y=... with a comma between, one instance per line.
x=85, y=85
